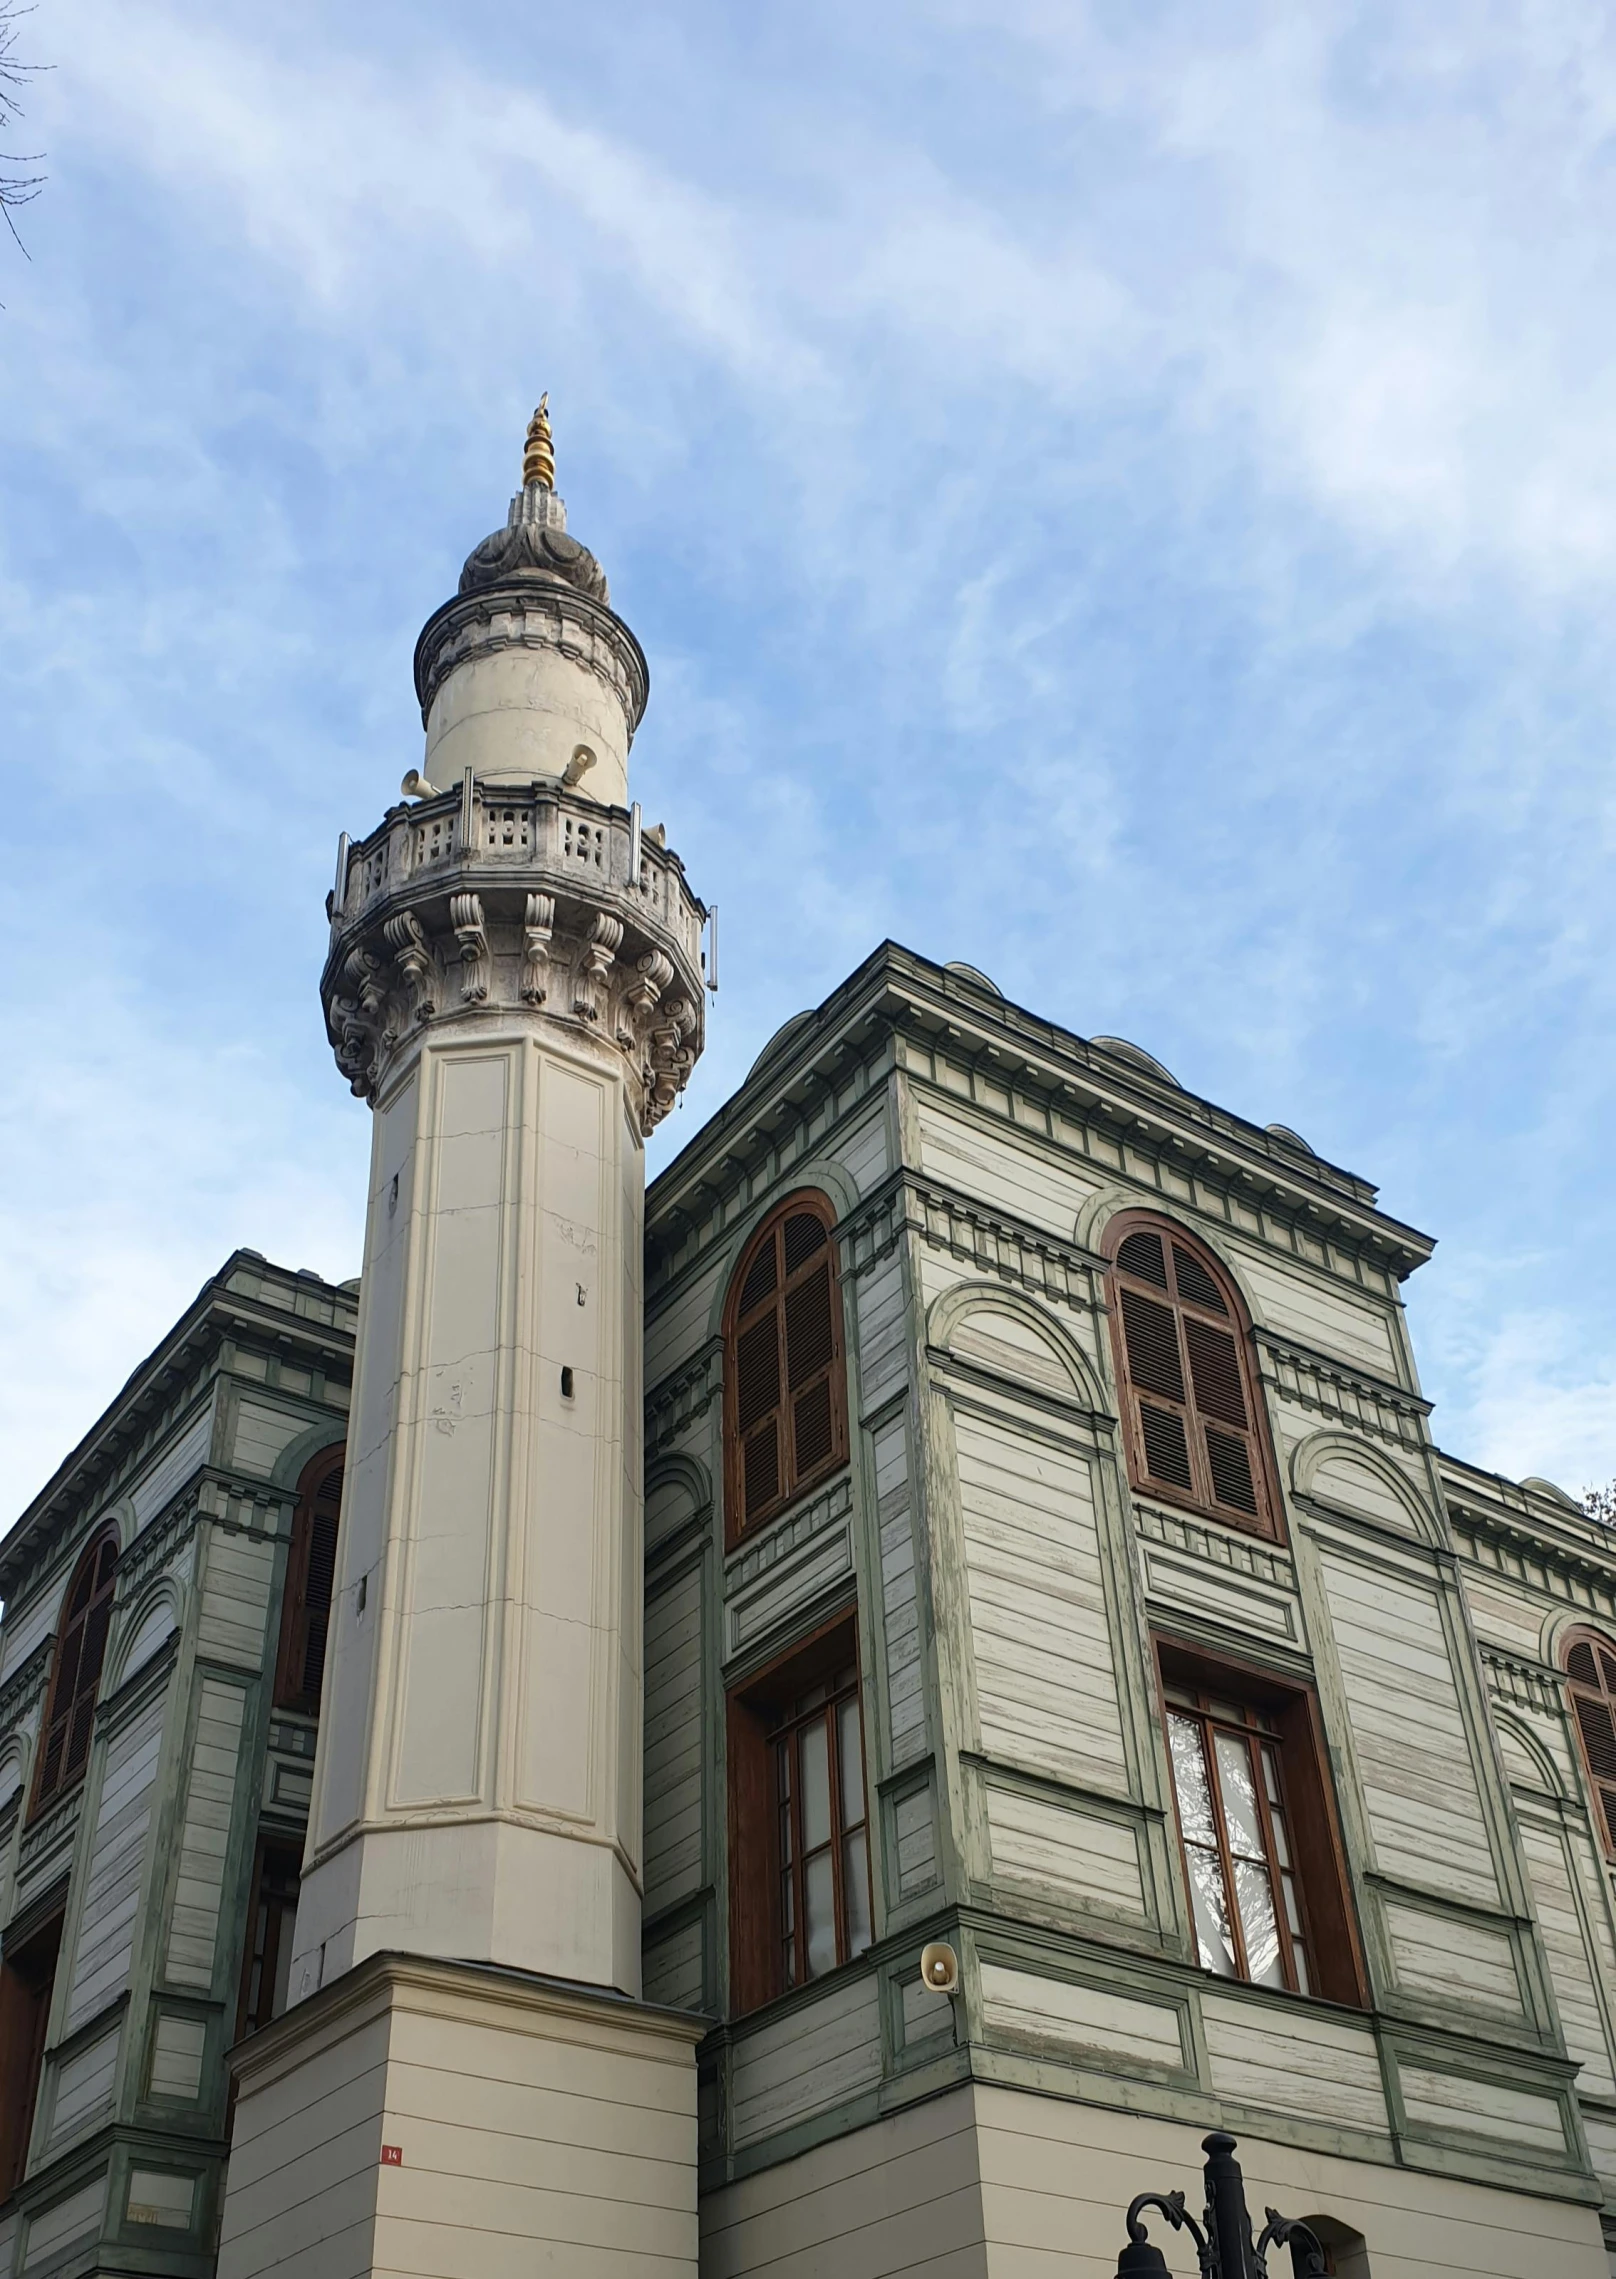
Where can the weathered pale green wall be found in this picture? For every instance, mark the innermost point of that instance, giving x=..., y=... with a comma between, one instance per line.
x=1007, y=1579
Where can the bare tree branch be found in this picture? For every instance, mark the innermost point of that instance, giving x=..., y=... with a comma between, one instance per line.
x=16, y=189
x=1600, y=1503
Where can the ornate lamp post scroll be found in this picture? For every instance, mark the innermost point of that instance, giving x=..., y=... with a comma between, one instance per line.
x=1224, y=2246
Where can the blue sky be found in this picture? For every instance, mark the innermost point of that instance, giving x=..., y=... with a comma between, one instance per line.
x=1123, y=495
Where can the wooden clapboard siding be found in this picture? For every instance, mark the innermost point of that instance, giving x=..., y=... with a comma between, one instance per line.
x=31, y=1624
x=179, y=2046
x=174, y=1466
x=680, y=1325
x=57, y=2228
x=817, y=2055
x=1557, y=1860
x=900, y=1593
x=1074, y=1857
x=205, y=1834
x=914, y=1820
x=1021, y=1179
x=1082, y=2021
x=673, y=1739
x=1504, y=1617
x=1302, y=1306
x=1454, y=1960
x=1520, y=2120
x=863, y=1153
x=673, y=1970
x=235, y=1598
x=263, y=1434
x=1290, y=2058
x=117, y=1860
x=1600, y=2129
x=883, y=1331
x=1041, y=1648
x=83, y=2091
x=1419, y=1784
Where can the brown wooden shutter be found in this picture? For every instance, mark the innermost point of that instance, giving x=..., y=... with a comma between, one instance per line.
x=311, y=1575
x=1591, y=1666
x=785, y=1389
x=80, y=1655
x=1191, y=1413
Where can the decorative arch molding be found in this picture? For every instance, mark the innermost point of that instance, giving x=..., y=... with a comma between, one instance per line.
x=1514, y=1731
x=146, y=1628
x=119, y=1514
x=1391, y=1498
x=819, y=1172
x=677, y=1470
x=296, y=1457
x=685, y=1485
x=15, y=1754
x=1110, y=1203
x=952, y=1310
x=1557, y=1627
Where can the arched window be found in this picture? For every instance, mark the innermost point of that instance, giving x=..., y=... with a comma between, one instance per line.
x=81, y=1649
x=1590, y=1665
x=311, y=1573
x=1191, y=1408
x=785, y=1378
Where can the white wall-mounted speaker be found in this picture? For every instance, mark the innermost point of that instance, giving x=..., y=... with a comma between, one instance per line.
x=939, y=1968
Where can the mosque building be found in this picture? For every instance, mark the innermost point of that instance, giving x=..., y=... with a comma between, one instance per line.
x=832, y=1716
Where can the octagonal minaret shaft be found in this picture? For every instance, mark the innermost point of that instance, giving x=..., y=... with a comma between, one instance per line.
x=519, y=1006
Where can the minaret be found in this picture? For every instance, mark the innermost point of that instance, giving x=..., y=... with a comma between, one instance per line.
x=514, y=985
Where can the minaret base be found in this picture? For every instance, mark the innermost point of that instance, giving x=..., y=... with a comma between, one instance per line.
x=459, y=2121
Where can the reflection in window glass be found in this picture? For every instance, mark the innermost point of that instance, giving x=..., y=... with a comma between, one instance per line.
x=823, y=1836
x=1237, y=1850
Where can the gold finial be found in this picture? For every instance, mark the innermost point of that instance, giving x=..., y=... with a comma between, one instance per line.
x=538, y=460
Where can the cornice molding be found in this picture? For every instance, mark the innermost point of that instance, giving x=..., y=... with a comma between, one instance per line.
x=935, y=1009
x=167, y=1387
x=1509, y=1547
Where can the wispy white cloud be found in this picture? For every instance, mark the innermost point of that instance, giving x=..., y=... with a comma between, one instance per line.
x=1123, y=496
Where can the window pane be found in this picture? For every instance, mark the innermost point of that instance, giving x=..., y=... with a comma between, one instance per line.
x=856, y=1891
x=1211, y=1906
x=1189, y=1778
x=816, y=1822
x=1293, y=1914
x=1257, y=1923
x=1239, y=1796
x=1304, y=1984
x=819, y=1907
x=852, y=1752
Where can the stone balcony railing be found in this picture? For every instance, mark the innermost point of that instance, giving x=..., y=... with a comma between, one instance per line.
x=491, y=897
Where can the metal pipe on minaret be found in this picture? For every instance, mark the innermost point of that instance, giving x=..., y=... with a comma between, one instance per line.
x=519, y=1008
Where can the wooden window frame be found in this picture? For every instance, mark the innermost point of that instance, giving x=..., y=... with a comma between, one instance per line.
x=1334, y=1947
x=1601, y=1787
x=79, y=1706
x=1268, y=1519
x=291, y=1654
x=27, y=1985
x=738, y=1524
x=269, y=1847
x=756, y=1713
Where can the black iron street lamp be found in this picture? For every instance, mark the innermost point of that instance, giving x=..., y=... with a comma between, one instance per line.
x=1225, y=2248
